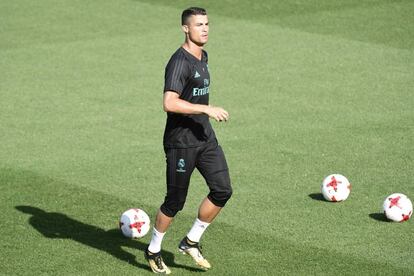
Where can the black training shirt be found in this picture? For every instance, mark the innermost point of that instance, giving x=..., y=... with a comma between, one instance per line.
x=189, y=77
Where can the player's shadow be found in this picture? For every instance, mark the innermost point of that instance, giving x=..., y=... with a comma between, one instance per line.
x=379, y=217
x=317, y=196
x=60, y=226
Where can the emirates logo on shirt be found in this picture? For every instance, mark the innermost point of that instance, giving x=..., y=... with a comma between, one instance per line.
x=200, y=91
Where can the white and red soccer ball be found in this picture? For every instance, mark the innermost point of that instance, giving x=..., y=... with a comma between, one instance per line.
x=134, y=223
x=335, y=188
x=398, y=207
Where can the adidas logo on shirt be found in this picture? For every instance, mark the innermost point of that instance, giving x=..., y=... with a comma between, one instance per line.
x=197, y=75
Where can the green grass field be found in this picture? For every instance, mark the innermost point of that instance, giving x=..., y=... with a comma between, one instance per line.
x=312, y=87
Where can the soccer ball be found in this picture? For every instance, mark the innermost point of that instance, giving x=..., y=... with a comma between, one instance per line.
x=134, y=223
x=398, y=207
x=335, y=187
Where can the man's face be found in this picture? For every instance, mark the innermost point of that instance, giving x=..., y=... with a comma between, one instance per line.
x=197, y=29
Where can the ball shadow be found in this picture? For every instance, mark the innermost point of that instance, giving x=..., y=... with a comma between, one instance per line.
x=60, y=226
x=379, y=217
x=317, y=196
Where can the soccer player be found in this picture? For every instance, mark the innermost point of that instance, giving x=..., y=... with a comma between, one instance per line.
x=190, y=142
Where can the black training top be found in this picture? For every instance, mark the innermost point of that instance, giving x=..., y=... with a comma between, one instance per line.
x=189, y=77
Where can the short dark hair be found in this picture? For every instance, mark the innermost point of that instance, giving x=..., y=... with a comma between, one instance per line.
x=191, y=11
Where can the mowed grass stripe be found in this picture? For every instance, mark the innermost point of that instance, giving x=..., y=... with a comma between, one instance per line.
x=61, y=229
x=380, y=22
x=53, y=227
x=27, y=23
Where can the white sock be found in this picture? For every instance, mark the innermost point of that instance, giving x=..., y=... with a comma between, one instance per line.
x=197, y=230
x=156, y=240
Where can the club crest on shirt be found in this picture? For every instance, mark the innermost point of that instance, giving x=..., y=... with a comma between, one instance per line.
x=181, y=165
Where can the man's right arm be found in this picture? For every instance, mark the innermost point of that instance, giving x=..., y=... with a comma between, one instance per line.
x=173, y=103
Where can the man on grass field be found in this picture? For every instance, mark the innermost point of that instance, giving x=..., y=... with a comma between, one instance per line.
x=190, y=142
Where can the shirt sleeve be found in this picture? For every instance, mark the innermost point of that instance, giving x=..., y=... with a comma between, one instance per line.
x=176, y=75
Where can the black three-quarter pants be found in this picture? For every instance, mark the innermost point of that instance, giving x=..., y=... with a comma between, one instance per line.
x=210, y=161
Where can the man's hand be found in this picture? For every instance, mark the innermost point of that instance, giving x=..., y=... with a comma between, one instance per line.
x=217, y=113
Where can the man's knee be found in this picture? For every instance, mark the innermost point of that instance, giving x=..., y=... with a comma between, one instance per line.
x=171, y=208
x=220, y=198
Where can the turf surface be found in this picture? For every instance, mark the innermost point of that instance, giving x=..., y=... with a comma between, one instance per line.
x=312, y=87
